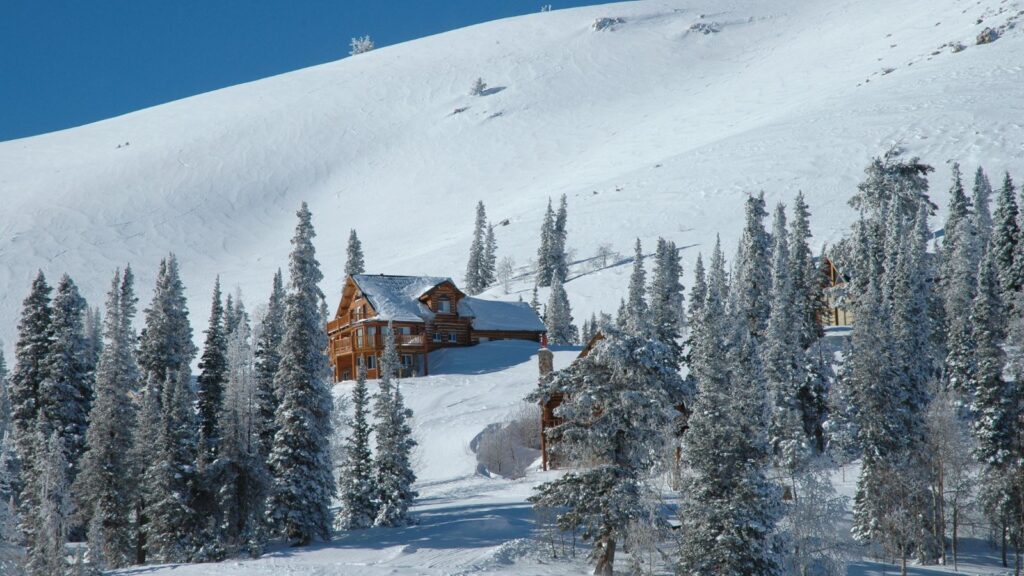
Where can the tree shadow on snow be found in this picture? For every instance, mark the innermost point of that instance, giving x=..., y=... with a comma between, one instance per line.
x=492, y=90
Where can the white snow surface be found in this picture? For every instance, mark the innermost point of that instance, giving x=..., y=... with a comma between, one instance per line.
x=491, y=314
x=397, y=297
x=651, y=129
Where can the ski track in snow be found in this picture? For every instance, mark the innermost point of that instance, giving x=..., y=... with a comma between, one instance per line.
x=651, y=129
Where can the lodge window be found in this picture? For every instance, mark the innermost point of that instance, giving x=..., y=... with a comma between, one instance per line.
x=404, y=330
x=438, y=336
x=453, y=337
x=407, y=360
x=359, y=361
x=359, y=338
x=371, y=336
x=444, y=305
x=371, y=362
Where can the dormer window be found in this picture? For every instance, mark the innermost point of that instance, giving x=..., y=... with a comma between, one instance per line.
x=444, y=305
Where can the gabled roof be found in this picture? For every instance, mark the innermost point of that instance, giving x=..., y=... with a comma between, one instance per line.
x=397, y=298
x=496, y=315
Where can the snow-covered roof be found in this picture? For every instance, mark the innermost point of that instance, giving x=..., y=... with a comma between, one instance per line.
x=397, y=297
x=501, y=316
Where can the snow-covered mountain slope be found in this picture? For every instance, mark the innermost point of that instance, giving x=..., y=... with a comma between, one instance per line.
x=651, y=127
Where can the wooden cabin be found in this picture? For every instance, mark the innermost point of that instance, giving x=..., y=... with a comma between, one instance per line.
x=834, y=313
x=426, y=313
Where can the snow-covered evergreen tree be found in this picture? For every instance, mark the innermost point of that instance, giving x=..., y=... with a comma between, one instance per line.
x=360, y=45
x=634, y=381
x=355, y=263
x=1005, y=237
x=667, y=306
x=548, y=242
x=356, y=485
x=751, y=284
x=489, y=263
x=558, y=316
x=240, y=472
x=959, y=271
x=65, y=394
x=988, y=391
x=475, y=280
x=268, y=357
x=48, y=520
x=30, y=370
x=213, y=372
x=394, y=476
x=174, y=528
x=102, y=492
x=636, y=313
x=981, y=195
x=478, y=88
x=784, y=359
x=806, y=278
x=299, y=505
x=559, y=252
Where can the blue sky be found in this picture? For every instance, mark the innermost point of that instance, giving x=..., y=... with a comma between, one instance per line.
x=70, y=62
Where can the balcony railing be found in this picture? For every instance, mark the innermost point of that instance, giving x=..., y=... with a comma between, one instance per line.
x=344, y=345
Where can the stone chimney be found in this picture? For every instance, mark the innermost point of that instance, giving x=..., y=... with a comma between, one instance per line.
x=545, y=359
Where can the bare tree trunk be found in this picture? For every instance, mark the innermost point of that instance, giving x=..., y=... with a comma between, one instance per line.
x=607, y=559
x=956, y=528
x=1002, y=533
x=903, y=561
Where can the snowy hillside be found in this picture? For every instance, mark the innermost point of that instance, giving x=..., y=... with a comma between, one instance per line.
x=655, y=126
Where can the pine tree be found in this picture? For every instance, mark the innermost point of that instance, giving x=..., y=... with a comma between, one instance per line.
x=636, y=313
x=534, y=301
x=989, y=393
x=65, y=394
x=302, y=486
x=1005, y=237
x=103, y=496
x=489, y=263
x=807, y=292
x=268, y=358
x=30, y=370
x=476, y=266
x=213, y=366
x=751, y=284
x=666, y=291
x=981, y=195
x=355, y=264
x=559, y=256
x=240, y=472
x=635, y=382
x=165, y=354
x=394, y=475
x=356, y=485
x=784, y=359
x=548, y=243
x=558, y=316
x=173, y=533
x=48, y=519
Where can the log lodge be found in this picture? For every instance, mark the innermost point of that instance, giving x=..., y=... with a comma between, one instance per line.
x=426, y=313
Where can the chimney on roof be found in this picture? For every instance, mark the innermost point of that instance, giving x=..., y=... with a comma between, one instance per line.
x=545, y=359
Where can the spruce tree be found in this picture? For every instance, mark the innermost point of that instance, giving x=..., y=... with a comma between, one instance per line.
x=990, y=394
x=548, y=244
x=634, y=380
x=559, y=254
x=65, y=394
x=48, y=520
x=558, y=316
x=302, y=485
x=807, y=293
x=980, y=198
x=30, y=370
x=394, y=475
x=489, y=263
x=1005, y=237
x=784, y=359
x=475, y=280
x=102, y=493
x=354, y=264
x=636, y=313
x=356, y=485
x=165, y=353
x=751, y=284
x=174, y=528
x=213, y=373
x=268, y=358
x=666, y=291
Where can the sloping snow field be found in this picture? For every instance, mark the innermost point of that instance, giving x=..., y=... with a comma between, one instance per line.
x=656, y=126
